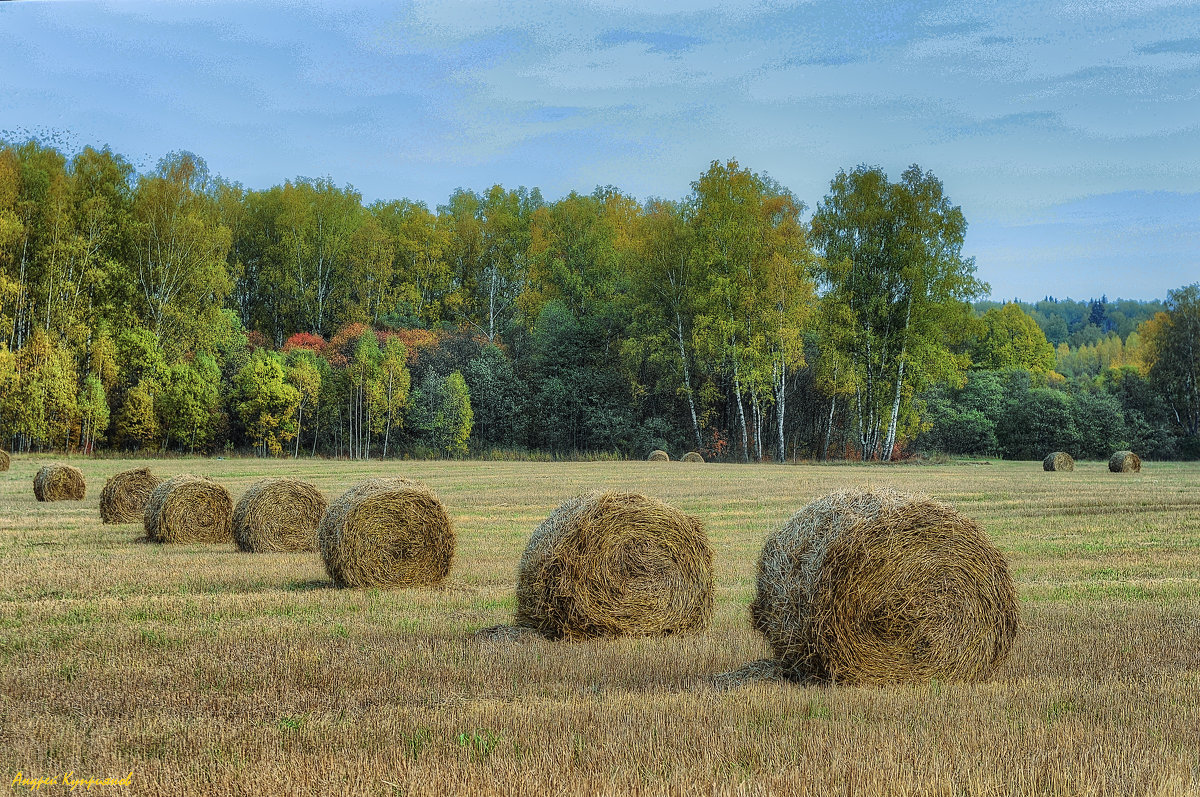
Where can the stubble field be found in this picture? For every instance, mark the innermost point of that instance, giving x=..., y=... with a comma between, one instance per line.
x=195, y=669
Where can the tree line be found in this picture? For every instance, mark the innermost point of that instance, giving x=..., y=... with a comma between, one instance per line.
x=176, y=311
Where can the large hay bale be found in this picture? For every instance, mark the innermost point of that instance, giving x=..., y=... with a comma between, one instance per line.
x=124, y=497
x=1125, y=462
x=616, y=564
x=693, y=456
x=5, y=460
x=59, y=483
x=1059, y=460
x=658, y=455
x=187, y=508
x=388, y=532
x=278, y=515
x=876, y=586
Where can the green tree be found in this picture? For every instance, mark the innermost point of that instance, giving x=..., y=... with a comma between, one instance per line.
x=265, y=403
x=1172, y=342
x=1010, y=338
x=93, y=413
x=180, y=263
x=894, y=266
x=188, y=403
x=304, y=374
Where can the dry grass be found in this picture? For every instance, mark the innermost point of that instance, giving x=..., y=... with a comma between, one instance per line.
x=201, y=670
x=693, y=456
x=658, y=455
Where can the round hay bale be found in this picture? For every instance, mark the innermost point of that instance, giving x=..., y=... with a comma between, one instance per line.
x=388, y=532
x=616, y=564
x=5, y=460
x=124, y=497
x=693, y=456
x=658, y=455
x=187, y=508
x=880, y=586
x=1059, y=460
x=278, y=515
x=59, y=483
x=1125, y=462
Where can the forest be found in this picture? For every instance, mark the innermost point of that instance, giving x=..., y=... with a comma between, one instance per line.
x=174, y=311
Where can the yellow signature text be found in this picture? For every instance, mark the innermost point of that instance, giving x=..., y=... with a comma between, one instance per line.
x=69, y=780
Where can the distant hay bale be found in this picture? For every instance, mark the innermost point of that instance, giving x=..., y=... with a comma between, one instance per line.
x=693, y=456
x=279, y=514
x=59, y=483
x=879, y=586
x=188, y=508
x=5, y=460
x=1125, y=462
x=1059, y=460
x=388, y=532
x=616, y=564
x=658, y=455
x=124, y=497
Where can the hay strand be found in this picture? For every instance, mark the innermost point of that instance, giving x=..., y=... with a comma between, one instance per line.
x=693, y=456
x=1125, y=462
x=388, y=532
x=1059, y=460
x=759, y=671
x=5, y=460
x=658, y=455
x=188, y=508
x=124, y=497
x=56, y=482
x=616, y=564
x=278, y=514
x=880, y=586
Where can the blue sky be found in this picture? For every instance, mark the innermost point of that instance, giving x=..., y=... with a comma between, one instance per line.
x=1068, y=131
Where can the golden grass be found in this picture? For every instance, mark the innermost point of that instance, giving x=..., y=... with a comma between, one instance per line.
x=200, y=670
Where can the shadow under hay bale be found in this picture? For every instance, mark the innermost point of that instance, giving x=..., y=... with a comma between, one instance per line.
x=5, y=460
x=279, y=514
x=878, y=586
x=693, y=456
x=1059, y=460
x=507, y=634
x=616, y=564
x=388, y=532
x=188, y=508
x=59, y=483
x=124, y=497
x=754, y=672
x=1125, y=462
x=658, y=455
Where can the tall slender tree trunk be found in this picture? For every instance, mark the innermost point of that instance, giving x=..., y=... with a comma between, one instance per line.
x=891, y=435
x=737, y=390
x=687, y=380
x=756, y=408
x=780, y=408
x=299, y=429
x=829, y=428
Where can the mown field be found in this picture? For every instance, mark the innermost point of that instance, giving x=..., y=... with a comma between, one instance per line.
x=201, y=670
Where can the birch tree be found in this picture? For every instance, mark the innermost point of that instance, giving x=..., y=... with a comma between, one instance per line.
x=894, y=266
